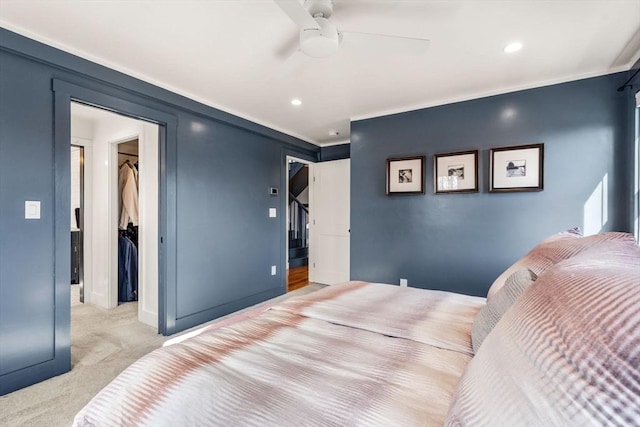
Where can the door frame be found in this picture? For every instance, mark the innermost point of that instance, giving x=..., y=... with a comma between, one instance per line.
x=299, y=156
x=146, y=263
x=64, y=93
x=114, y=219
x=286, y=194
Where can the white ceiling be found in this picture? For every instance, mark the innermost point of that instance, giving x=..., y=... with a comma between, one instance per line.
x=229, y=54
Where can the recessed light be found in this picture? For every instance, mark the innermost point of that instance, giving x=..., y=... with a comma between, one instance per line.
x=513, y=47
x=296, y=102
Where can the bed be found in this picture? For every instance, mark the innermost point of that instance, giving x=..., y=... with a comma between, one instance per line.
x=374, y=354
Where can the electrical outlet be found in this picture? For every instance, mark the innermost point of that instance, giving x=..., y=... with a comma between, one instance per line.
x=404, y=283
x=273, y=270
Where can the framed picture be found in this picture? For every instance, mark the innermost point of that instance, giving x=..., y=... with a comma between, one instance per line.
x=455, y=172
x=516, y=168
x=405, y=175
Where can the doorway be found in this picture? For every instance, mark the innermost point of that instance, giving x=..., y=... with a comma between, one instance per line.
x=114, y=139
x=297, y=223
x=128, y=163
x=329, y=252
x=325, y=225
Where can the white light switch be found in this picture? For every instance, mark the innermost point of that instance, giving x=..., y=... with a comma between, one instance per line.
x=273, y=270
x=272, y=212
x=31, y=209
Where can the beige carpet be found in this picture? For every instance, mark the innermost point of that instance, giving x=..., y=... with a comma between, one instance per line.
x=103, y=344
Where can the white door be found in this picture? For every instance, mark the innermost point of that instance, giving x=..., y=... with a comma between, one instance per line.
x=329, y=222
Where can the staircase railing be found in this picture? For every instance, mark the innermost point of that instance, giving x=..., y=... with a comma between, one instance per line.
x=298, y=220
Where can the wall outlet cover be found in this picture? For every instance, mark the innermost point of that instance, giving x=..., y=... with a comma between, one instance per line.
x=404, y=283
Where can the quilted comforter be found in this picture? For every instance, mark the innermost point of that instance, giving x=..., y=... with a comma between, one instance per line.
x=353, y=354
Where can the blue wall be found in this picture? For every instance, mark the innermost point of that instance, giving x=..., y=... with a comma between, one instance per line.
x=220, y=243
x=219, y=240
x=334, y=152
x=462, y=242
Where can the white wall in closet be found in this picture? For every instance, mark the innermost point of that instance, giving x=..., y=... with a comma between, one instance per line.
x=75, y=185
x=148, y=230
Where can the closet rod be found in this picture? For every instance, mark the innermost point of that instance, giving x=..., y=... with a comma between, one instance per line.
x=127, y=154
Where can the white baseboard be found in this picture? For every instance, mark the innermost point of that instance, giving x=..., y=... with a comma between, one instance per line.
x=148, y=317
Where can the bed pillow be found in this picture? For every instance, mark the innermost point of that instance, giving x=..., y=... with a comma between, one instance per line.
x=567, y=353
x=554, y=249
x=534, y=256
x=491, y=313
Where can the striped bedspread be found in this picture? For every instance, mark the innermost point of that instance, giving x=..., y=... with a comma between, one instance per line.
x=441, y=319
x=283, y=368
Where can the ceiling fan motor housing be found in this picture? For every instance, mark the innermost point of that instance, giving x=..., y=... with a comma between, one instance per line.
x=320, y=42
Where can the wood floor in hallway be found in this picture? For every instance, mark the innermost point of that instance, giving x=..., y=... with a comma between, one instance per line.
x=297, y=277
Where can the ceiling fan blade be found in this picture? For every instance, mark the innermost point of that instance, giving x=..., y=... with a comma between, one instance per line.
x=298, y=14
x=388, y=44
x=293, y=64
x=288, y=48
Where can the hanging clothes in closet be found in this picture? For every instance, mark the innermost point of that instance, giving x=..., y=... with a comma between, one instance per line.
x=128, y=183
x=127, y=270
x=128, y=233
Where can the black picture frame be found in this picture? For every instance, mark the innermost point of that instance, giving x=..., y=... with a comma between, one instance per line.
x=405, y=175
x=516, y=168
x=455, y=172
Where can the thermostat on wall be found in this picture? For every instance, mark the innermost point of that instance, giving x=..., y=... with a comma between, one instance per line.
x=273, y=191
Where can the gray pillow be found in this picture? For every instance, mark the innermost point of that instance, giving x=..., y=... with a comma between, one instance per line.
x=499, y=303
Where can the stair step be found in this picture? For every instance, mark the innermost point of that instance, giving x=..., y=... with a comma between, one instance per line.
x=298, y=252
x=298, y=262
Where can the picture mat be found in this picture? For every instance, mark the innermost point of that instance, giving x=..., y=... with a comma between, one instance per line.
x=416, y=175
x=442, y=168
x=502, y=158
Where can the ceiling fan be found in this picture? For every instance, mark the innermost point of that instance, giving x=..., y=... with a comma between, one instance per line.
x=320, y=38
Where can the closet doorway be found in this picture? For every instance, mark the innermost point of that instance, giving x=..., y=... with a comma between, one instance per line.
x=128, y=219
x=114, y=141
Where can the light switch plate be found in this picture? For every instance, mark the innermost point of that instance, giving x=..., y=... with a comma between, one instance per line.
x=273, y=270
x=272, y=212
x=32, y=209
